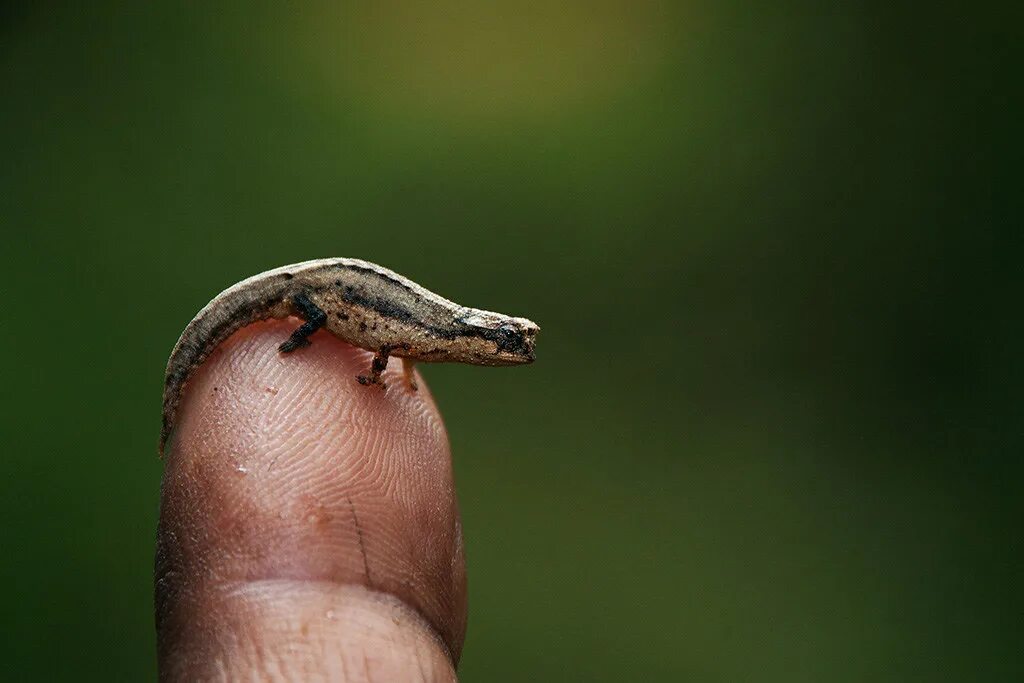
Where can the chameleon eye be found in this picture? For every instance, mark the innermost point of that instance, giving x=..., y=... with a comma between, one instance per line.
x=508, y=337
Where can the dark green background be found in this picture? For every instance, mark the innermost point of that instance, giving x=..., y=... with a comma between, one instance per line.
x=772, y=433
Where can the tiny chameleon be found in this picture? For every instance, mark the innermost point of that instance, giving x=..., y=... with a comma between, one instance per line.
x=361, y=303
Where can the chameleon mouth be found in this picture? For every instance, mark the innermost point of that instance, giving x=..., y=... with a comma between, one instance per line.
x=521, y=354
x=526, y=353
x=529, y=342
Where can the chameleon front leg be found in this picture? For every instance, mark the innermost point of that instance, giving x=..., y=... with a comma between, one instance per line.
x=408, y=366
x=315, y=319
x=377, y=367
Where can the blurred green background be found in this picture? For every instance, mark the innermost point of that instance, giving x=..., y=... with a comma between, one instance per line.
x=773, y=431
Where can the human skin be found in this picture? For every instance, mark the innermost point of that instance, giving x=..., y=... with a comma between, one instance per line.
x=308, y=525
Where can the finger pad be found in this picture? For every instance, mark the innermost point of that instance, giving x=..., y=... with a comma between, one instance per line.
x=284, y=466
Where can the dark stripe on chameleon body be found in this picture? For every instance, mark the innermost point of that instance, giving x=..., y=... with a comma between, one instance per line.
x=386, y=307
x=390, y=309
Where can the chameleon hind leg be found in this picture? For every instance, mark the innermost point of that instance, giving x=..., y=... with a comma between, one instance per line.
x=315, y=319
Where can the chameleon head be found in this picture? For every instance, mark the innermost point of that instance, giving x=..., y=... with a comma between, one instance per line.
x=500, y=340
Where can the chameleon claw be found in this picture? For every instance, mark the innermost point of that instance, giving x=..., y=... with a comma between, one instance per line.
x=367, y=381
x=290, y=345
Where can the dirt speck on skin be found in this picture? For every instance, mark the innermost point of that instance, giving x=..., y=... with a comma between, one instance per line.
x=315, y=513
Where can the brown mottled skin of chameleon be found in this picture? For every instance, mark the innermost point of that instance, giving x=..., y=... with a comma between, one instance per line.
x=359, y=302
